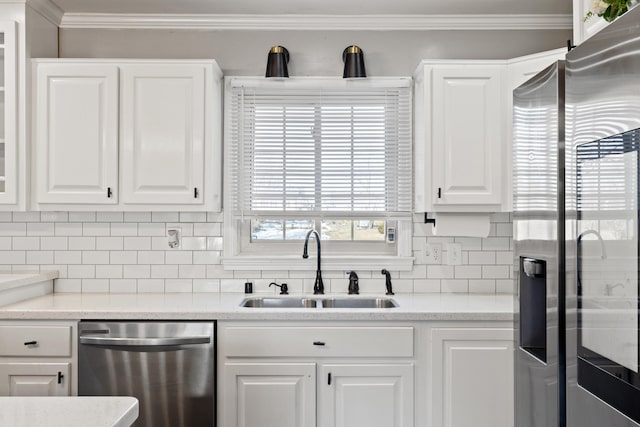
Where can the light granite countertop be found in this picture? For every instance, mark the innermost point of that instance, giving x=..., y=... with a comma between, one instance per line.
x=16, y=280
x=20, y=286
x=68, y=411
x=226, y=306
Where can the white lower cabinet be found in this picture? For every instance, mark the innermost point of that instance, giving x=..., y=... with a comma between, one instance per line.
x=471, y=377
x=372, y=395
x=306, y=374
x=35, y=379
x=269, y=394
x=38, y=358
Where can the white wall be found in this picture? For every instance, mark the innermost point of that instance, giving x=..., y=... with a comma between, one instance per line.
x=312, y=52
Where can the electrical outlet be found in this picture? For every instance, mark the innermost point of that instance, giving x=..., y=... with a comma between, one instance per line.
x=432, y=253
x=454, y=253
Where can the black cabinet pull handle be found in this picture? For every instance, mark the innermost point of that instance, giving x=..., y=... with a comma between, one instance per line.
x=318, y=343
x=329, y=379
x=60, y=377
x=31, y=343
x=109, y=193
x=439, y=193
x=195, y=193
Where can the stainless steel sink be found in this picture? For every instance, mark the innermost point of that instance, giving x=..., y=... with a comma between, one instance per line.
x=266, y=302
x=358, y=303
x=355, y=303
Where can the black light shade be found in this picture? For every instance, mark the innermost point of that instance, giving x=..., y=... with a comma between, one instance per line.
x=277, y=63
x=353, y=59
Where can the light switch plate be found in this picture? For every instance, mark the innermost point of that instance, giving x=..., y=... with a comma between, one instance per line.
x=454, y=253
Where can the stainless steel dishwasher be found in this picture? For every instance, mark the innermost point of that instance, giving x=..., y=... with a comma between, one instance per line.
x=168, y=367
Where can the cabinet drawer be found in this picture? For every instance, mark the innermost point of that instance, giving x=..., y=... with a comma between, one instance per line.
x=318, y=341
x=47, y=340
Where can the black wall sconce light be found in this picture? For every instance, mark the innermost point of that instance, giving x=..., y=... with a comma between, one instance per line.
x=277, y=63
x=353, y=59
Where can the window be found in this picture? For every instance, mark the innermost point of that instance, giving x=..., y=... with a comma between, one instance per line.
x=329, y=154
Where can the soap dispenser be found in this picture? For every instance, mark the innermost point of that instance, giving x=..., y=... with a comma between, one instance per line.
x=354, y=289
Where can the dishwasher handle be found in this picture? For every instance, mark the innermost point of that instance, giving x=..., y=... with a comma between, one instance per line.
x=143, y=342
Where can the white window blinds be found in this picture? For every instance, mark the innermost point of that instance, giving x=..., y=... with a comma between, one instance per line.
x=319, y=148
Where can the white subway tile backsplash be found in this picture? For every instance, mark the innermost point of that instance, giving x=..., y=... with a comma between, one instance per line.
x=96, y=229
x=137, y=217
x=150, y=257
x=40, y=229
x=495, y=271
x=54, y=243
x=109, y=271
x=504, y=258
x=13, y=229
x=152, y=229
x=137, y=243
x=95, y=285
x=67, y=257
x=150, y=285
x=68, y=229
x=164, y=271
x=5, y=244
x=83, y=243
x=136, y=271
x=125, y=257
x=206, y=285
x=165, y=217
x=39, y=257
x=26, y=243
x=178, y=285
x=54, y=216
x=129, y=252
x=67, y=285
x=82, y=216
x=110, y=216
x=26, y=216
x=129, y=286
x=81, y=271
x=95, y=257
x=178, y=257
x=482, y=286
x=457, y=285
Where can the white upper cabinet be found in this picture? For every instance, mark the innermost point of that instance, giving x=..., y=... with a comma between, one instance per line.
x=163, y=134
x=8, y=107
x=77, y=133
x=459, y=136
x=462, y=131
x=128, y=135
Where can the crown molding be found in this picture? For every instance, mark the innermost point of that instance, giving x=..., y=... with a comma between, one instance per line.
x=48, y=9
x=314, y=22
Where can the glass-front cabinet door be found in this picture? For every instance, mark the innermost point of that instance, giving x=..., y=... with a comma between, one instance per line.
x=8, y=106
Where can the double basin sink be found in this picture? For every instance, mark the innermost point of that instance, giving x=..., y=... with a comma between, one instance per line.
x=330, y=302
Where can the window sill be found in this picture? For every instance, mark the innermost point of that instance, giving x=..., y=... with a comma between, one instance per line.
x=329, y=263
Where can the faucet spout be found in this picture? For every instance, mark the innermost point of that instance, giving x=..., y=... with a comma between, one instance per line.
x=318, y=286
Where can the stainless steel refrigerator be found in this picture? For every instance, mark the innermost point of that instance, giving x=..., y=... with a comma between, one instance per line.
x=576, y=215
x=603, y=141
x=538, y=222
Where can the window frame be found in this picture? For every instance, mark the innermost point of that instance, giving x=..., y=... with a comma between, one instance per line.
x=240, y=253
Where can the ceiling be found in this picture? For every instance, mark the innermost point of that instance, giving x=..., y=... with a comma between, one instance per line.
x=328, y=7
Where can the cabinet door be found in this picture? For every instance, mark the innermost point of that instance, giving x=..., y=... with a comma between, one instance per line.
x=34, y=379
x=76, y=133
x=472, y=377
x=467, y=135
x=269, y=395
x=8, y=107
x=372, y=395
x=163, y=133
